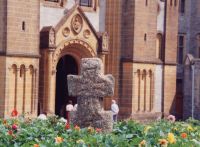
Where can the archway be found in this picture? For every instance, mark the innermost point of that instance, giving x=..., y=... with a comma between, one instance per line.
x=66, y=65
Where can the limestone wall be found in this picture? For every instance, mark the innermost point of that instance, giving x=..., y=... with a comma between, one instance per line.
x=160, y=16
x=2, y=24
x=158, y=88
x=171, y=32
x=23, y=27
x=145, y=30
x=21, y=86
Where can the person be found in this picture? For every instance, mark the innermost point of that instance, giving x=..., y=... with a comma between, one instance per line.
x=69, y=108
x=75, y=107
x=115, y=110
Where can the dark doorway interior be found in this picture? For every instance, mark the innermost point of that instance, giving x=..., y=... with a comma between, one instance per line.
x=66, y=65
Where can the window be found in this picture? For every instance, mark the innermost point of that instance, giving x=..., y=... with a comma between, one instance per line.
x=146, y=3
x=145, y=37
x=181, y=43
x=175, y=3
x=52, y=0
x=198, y=46
x=170, y=2
x=86, y=3
x=53, y=3
x=159, y=46
x=182, y=6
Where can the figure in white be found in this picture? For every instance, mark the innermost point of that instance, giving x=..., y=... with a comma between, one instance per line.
x=75, y=107
x=69, y=108
x=115, y=110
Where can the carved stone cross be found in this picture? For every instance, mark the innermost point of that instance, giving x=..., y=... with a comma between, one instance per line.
x=89, y=88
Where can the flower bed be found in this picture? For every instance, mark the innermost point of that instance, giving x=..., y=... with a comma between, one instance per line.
x=54, y=132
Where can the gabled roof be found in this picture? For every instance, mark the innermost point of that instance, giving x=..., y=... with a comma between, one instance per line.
x=69, y=13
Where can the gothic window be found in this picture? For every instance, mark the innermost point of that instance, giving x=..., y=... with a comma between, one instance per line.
x=86, y=3
x=198, y=45
x=182, y=7
x=159, y=46
x=181, y=42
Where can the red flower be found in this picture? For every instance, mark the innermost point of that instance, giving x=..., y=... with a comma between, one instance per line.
x=14, y=113
x=98, y=130
x=184, y=135
x=67, y=126
x=14, y=127
x=10, y=132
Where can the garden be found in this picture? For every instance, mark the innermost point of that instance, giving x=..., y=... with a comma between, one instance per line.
x=25, y=132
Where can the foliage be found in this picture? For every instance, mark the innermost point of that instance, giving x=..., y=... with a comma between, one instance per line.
x=52, y=132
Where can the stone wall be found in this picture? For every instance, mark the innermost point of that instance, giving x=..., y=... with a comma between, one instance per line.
x=112, y=60
x=145, y=30
x=2, y=24
x=170, y=55
x=23, y=27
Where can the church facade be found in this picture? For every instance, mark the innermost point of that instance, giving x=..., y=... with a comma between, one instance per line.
x=43, y=41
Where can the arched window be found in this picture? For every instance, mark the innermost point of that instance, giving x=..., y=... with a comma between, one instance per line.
x=159, y=46
x=87, y=3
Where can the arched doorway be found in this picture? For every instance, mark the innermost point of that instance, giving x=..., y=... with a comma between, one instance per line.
x=66, y=65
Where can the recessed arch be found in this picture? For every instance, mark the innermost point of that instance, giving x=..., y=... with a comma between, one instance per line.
x=76, y=48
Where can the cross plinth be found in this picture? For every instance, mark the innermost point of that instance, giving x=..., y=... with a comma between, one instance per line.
x=89, y=88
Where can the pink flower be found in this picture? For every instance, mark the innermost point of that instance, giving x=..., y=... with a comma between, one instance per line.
x=14, y=127
x=171, y=118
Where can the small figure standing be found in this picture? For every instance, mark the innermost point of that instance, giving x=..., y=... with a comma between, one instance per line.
x=75, y=107
x=69, y=108
x=115, y=110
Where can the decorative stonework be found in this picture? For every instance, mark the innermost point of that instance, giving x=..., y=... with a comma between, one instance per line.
x=77, y=23
x=86, y=34
x=58, y=51
x=51, y=38
x=105, y=42
x=90, y=87
x=66, y=31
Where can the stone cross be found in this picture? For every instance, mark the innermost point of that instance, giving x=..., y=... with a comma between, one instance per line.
x=89, y=88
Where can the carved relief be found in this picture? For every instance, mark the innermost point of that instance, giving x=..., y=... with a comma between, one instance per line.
x=86, y=34
x=51, y=38
x=77, y=23
x=66, y=32
x=105, y=42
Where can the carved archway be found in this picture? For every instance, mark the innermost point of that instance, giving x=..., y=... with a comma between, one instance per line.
x=75, y=48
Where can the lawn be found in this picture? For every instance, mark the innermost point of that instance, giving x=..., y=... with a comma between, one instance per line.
x=25, y=132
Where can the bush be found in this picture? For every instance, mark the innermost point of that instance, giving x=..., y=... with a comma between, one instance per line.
x=54, y=132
